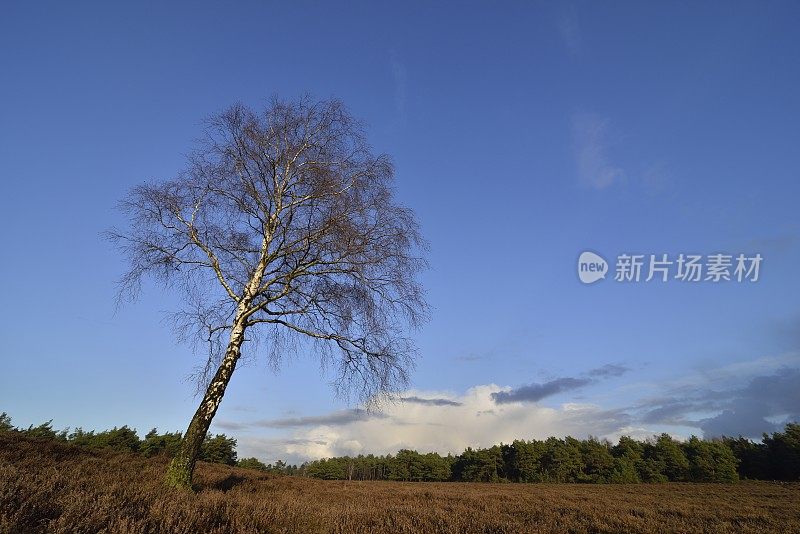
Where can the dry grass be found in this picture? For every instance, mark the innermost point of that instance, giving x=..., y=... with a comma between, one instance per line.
x=53, y=487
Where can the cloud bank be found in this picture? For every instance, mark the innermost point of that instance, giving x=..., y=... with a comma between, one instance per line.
x=745, y=398
x=428, y=421
x=764, y=403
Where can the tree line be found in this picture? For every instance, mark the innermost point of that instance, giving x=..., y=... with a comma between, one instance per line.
x=219, y=448
x=660, y=459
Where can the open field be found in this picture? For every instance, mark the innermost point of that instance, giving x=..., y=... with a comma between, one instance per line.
x=47, y=486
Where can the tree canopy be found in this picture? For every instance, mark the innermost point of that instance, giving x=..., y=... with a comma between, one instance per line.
x=284, y=225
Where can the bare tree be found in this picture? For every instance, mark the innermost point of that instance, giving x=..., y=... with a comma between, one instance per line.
x=283, y=225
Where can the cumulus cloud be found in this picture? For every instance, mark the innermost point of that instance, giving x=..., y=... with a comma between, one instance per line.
x=470, y=419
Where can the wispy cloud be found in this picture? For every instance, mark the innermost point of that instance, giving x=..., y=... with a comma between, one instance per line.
x=230, y=426
x=537, y=392
x=430, y=402
x=672, y=412
x=595, y=168
x=608, y=370
x=470, y=358
x=342, y=417
x=476, y=356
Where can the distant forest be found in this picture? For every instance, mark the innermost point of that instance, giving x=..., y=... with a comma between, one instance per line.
x=660, y=459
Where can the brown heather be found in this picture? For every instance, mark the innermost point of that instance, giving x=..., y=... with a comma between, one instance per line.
x=47, y=486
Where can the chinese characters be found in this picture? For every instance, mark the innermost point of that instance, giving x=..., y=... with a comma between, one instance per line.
x=688, y=268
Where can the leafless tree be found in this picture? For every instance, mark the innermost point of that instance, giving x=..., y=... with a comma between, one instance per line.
x=283, y=225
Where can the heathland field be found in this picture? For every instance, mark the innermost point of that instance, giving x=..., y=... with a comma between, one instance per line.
x=47, y=486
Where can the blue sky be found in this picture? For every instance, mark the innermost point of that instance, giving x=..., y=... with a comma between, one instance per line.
x=521, y=135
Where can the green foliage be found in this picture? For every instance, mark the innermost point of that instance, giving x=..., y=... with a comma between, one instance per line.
x=411, y=465
x=710, y=461
x=44, y=431
x=5, y=423
x=481, y=465
x=783, y=451
x=668, y=456
x=122, y=438
x=777, y=457
x=753, y=461
x=562, y=460
x=598, y=462
x=629, y=464
x=651, y=470
x=523, y=461
x=328, y=469
x=663, y=459
x=437, y=468
x=624, y=471
x=220, y=449
x=167, y=444
x=251, y=463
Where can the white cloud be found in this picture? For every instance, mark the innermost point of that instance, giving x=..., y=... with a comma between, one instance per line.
x=448, y=422
x=471, y=419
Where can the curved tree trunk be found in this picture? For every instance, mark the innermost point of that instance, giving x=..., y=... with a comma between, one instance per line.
x=181, y=468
